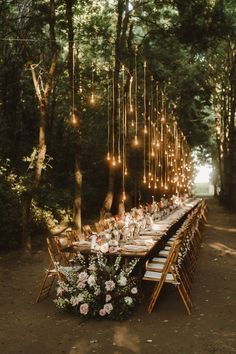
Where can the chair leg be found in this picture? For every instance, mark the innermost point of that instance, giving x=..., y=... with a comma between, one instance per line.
x=155, y=294
x=185, y=298
x=46, y=285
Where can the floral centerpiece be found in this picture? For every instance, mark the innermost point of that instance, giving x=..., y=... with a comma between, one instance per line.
x=98, y=287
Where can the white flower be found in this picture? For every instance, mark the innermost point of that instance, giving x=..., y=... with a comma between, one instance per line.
x=108, y=308
x=104, y=248
x=110, y=285
x=122, y=281
x=59, y=291
x=74, y=300
x=134, y=291
x=83, y=276
x=128, y=300
x=97, y=291
x=80, y=297
x=108, y=297
x=84, y=308
x=91, y=280
x=92, y=267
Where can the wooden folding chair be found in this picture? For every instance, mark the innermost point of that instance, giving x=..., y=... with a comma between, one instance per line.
x=87, y=231
x=51, y=272
x=168, y=274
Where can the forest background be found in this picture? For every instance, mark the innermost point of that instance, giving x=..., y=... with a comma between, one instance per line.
x=57, y=55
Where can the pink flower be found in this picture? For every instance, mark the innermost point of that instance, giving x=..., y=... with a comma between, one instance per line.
x=102, y=312
x=83, y=276
x=84, y=308
x=110, y=285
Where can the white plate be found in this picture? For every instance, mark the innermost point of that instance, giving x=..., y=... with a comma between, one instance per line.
x=135, y=248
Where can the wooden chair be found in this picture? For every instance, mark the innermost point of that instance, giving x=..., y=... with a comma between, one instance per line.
x=51, y=273
x=87, y=231
x=168, y=273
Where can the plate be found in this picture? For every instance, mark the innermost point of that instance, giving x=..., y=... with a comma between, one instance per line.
x=135, y=248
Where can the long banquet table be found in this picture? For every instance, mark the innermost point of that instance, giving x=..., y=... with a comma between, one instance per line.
x=150, y=241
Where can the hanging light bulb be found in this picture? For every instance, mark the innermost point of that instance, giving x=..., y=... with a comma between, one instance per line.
x=123, y=196
x=108, y=156
x=119, y=159
x=135, y=140
x=74, y=119
x=126, y=171
x=145, y=129
x=132, y=123
x=92, y=100
x=149, y=185
x=155, y=185
x=144, y=179
x=113, y=161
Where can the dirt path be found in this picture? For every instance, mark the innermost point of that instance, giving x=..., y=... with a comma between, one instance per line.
x=211, y=329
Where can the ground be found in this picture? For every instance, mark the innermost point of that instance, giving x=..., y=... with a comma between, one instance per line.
x=29, y=328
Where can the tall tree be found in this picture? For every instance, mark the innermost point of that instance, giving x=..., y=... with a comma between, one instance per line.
x=42, y=90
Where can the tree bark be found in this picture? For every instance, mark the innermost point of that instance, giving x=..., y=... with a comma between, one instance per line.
x=113, y=201
x=43, y=98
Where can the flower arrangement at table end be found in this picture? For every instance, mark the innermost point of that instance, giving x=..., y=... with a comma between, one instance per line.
x=97, y=287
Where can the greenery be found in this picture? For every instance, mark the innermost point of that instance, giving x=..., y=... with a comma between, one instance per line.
x=97, y=287
x=190, y=50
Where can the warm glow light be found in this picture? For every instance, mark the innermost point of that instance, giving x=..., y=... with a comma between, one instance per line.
x=119, y=159
x=123, y=196
x=74, y=119
x=145, y=129
x=108, y=156
x=126, y=171
x=132, y=123
x=92, y=100
x=144, y=179
x=135, y=140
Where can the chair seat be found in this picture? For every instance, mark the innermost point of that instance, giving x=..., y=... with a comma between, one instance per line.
x=156, y=276
x=158, y=260
x=163, y=253
x=155, y=267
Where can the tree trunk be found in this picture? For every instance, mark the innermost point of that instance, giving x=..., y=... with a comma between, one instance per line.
x=26, y=223
x=43, y=98
x=77, y=200
x=113, y=201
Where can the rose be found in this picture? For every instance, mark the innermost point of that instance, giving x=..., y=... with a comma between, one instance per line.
x=108, y=297
x=128, y=300
x=84, y=308
x=104, y=248
x=109, y=285
x=83, y=276
x=81, y=285
x=102, y=312
x=108, y=308
x=134, y=291
x=92, y=267
x=122, y=281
